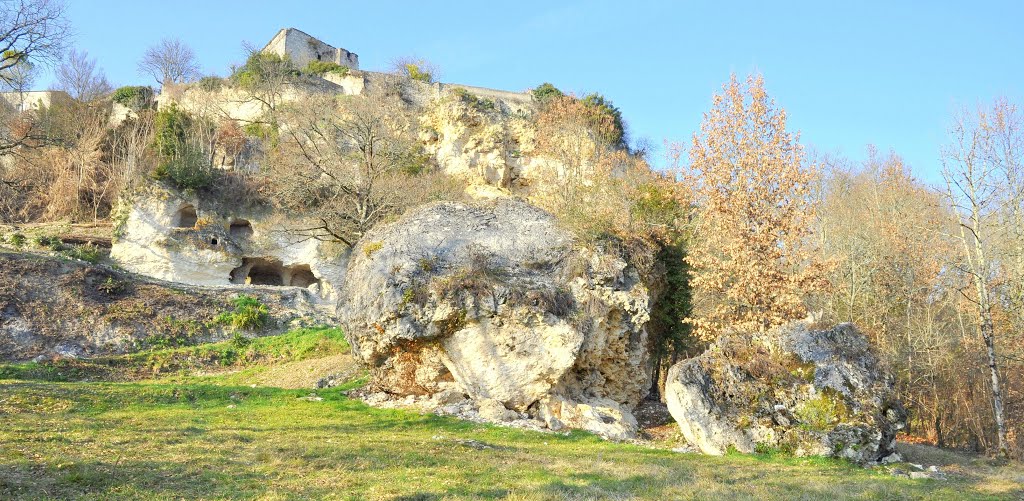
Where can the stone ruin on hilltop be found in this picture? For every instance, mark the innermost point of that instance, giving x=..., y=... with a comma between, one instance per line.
x=302, y=49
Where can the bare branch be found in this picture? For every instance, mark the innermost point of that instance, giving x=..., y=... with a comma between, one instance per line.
x=170, y=61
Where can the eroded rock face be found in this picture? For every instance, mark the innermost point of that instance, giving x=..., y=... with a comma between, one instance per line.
x=494, y=302
x=803, y=391
x=185, y=239
x=488, y=139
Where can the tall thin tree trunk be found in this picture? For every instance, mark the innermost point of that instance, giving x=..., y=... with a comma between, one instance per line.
x=988, y=334
x=979, y=268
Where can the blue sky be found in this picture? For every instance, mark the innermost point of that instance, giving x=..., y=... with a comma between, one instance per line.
x=848, y=73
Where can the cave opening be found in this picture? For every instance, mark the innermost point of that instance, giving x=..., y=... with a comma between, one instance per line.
x=240, y=228
x=302, y=276
x=266, y=272
x=270, y=271
x=186, y=217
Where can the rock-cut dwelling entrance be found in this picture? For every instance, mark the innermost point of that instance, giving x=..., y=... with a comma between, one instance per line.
x=186, y=217
x=270, y=271
x=240, y=228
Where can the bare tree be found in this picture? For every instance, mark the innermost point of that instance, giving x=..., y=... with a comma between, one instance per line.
x=170, y=61
x=264, y=78
x=1004, y=148
x=19, y=78
x=31, y=31
x=80, y=78
x=130, y=144
x=17, y=129
x=417, y=69
x=341, y=163
x=975, y=191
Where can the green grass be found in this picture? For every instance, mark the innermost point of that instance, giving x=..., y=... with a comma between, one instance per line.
x=200, y=436
x=116, y=440
x=298, y=344
x=249, y=314
x=88, y=252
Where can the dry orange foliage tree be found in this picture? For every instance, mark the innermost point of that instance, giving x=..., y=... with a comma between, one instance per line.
x=596, y=186
x=751, y=256
x=576, y=136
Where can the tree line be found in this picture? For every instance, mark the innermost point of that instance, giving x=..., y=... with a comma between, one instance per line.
x=932, y=274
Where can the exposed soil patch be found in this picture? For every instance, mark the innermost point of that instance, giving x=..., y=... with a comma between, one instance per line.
x=306, y=373
x=655, y=421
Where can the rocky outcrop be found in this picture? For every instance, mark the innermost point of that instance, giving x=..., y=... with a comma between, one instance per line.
x=490, y=140
x=803, y=391
x=493, y=301
x=486, y=141
x=170, y=236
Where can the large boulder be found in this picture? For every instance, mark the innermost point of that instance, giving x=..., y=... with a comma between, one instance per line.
x=803, y=391
x=494, y=301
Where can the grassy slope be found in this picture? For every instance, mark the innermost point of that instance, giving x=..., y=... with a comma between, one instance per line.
x=217, y=436
x=243, y=355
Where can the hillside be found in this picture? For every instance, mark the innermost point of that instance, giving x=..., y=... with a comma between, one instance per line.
x=287, y=273
x=66, y=300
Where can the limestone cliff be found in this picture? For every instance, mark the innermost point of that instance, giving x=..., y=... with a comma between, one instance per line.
x=486, y=141
x=483, y=136
x=192, y=240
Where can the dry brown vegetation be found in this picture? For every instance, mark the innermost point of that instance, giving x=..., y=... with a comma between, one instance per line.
x=75, y=168
x=934, y=274
x=349, y=163
x=752, y=257
x=931, y=274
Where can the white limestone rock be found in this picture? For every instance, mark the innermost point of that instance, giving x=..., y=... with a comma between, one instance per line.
x=493, y=410
x=186, y=239
x=807, y=392
x=494, y=301
x=602, y=416
x=484, y=137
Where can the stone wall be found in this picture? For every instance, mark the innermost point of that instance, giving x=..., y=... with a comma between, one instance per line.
x=225, y=102
x=232, y=103
x=33, y=99
x=510, y=97
x=351, y=84
x=302, y=48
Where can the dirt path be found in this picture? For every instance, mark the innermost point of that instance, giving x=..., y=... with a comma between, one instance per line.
x=306, y=373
